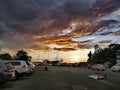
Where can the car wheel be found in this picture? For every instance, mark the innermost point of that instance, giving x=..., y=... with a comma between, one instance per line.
x=113, y=70
x=16, y=76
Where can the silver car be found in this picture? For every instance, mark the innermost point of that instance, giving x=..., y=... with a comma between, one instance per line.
x=98, y=67
x=7, y=72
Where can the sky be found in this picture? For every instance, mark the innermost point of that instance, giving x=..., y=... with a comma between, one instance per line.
x=66, y=29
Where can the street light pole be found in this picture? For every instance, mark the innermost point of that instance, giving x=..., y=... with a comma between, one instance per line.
x=38, y=55
x=48, y=55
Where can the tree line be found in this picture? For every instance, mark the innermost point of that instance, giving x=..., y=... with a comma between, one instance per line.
x=20, y=55
x=104, y=55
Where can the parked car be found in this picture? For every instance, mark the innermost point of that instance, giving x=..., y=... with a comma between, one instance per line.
x=98, y=67
x=21, y=68
x=7, y=72
x=89, y=65
x=116, y=67
x=31, y=67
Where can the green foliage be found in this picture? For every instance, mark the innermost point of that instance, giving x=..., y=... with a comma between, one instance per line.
x=107, y=54
x=5, y=56
x=23, y=55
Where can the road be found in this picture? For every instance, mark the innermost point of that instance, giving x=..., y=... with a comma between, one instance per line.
x=65, y=78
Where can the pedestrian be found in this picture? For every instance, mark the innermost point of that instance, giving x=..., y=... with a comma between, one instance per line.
x=46, y=68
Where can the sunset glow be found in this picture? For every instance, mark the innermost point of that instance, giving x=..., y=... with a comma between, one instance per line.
x=69, y=27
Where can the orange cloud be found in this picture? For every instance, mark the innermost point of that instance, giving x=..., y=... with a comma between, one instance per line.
x=65, y=49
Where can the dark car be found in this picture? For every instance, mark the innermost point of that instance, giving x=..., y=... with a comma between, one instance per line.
x=7, y=72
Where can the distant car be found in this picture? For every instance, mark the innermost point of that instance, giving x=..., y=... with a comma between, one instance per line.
x=98, y=67
x=7, y=72
x=89, y=66
x=21, y=68
x=116, y=67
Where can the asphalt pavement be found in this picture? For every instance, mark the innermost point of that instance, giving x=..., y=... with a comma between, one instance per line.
x=65, y=78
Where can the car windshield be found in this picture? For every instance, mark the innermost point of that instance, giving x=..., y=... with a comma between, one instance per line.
x=8, y=65
x=28, y=63
x=15, y=63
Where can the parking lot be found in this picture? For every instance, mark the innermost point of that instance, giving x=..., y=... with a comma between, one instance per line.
x=65, y=78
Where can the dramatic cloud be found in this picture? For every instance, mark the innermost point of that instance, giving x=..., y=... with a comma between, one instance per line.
x=33, y=23
x=65, y=49
x=105, y=41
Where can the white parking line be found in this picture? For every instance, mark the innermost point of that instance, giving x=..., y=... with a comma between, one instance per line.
x=106, y=83
x=78, y=87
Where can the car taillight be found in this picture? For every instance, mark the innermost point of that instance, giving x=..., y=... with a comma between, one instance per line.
x=6, y=70
x=13, y=69
x=24, y=66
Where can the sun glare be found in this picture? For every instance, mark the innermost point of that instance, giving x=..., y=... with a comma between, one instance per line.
x=75, y=58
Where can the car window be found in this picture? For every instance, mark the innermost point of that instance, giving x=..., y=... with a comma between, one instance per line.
x=27, y=63
x=8, y=65
x=15, y=63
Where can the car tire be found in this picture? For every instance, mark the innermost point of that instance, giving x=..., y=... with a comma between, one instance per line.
x=113, y=70
x=16, y=75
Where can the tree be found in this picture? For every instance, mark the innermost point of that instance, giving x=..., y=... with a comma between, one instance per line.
x=5, y=56
x=89, y=56
x=106, y=54
x=23, y=55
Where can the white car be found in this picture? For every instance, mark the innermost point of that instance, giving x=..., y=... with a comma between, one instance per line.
x=116, y=67
x=98, y=67
x=20, y=67
x=31, y=67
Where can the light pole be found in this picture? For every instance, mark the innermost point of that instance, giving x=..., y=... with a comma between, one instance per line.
x=48, y=55
x=38, y=56
x=1, y=51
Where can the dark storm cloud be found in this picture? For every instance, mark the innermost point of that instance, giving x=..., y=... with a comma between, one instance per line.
x=18, y=12
x=107, y=27
x=105, y=41
x=106, y=6
x=25, y=9
x=22, y=19
x=65, y=49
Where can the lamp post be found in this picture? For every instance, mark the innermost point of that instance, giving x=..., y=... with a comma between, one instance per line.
x=1, y=51
x=48, y=55
x=38, y=56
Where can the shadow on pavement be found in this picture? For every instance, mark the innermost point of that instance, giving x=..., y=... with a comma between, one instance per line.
x=7, y=85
